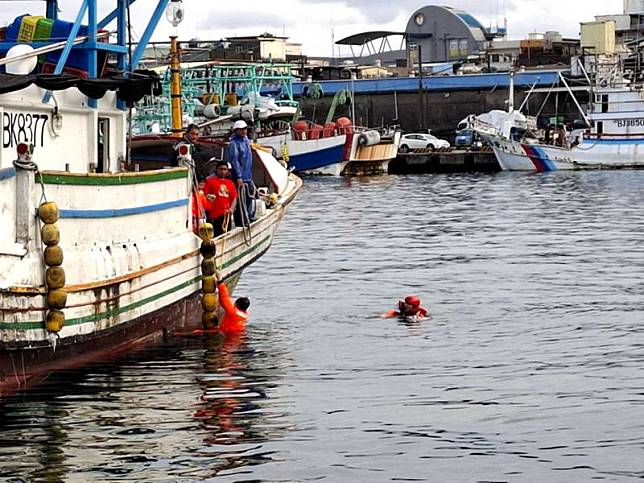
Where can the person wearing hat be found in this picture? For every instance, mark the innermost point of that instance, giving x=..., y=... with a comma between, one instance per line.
x=241, y=162
x=410, y=307
x=221, y=195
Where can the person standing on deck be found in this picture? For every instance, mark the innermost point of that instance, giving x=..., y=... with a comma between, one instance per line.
x=221, y=195
x=241, y=161
x=235, y=313
x=191, y=137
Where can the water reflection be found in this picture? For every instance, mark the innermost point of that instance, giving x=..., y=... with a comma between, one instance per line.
x=229, y=399
x=132, y=417
x=230, y=408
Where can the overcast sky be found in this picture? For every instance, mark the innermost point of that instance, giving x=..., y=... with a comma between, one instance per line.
x=310, y=22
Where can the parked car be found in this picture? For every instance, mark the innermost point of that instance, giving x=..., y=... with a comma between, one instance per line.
x=420, y=140
x=467, y=138
x=464, y=138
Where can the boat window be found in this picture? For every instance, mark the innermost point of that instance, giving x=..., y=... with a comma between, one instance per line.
x=600, y=128
x=103, y=136
x=604, y=102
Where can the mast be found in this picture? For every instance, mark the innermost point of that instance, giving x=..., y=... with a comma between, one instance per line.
x=511, y=93
x=175, y=88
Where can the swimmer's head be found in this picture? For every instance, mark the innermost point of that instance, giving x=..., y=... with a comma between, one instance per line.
x=242, y=303
x=410, y=305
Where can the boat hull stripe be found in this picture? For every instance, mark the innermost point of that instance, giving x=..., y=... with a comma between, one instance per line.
x=317, y=159
x=7, y=173
x=102, y=315
x=539, y=158
x=112, y=179
x=120, y=310
x=614, y=141
x=113, y=213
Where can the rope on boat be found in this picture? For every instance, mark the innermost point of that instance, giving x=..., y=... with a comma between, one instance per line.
x=248, y=233
x=225, y=225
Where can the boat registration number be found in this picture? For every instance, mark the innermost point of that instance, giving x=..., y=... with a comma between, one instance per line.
x=630, y=123
x=23, y=127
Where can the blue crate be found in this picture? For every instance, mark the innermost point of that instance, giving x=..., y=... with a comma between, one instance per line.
x=14, y=28
x=78, y=59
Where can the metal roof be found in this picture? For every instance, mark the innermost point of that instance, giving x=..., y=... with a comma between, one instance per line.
x=364, y=37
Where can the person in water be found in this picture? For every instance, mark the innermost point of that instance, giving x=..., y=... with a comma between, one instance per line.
x=410, y=307
x=235, y=313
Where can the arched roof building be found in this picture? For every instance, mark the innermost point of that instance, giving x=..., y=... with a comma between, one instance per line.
x=444, y=34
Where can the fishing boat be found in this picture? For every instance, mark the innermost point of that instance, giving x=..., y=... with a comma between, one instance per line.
x=372, y=150
x=216, y=94
x=366, y=151
x=96, y=256
x=609, y=138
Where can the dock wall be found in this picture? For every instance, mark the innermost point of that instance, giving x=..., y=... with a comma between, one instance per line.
x=440, y=105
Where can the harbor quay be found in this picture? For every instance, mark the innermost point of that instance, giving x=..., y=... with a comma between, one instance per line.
x=441, y=103
x=449, y=161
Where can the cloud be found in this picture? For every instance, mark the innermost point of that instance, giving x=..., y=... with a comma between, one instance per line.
x=310, y=22
x=383, y=11
x=246, y=19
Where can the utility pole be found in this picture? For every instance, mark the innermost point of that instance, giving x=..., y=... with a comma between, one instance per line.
x=421, y=93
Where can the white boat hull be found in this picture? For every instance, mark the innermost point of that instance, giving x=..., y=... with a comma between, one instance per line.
x=590, y=154
x=309, y=156
x=133, y=256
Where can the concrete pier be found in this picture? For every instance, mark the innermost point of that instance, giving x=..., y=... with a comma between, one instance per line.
x=453, y=161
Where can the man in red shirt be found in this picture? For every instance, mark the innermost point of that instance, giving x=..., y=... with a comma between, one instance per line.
x=221, y=195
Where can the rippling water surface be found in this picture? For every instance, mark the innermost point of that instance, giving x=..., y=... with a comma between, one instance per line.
x=532, y=368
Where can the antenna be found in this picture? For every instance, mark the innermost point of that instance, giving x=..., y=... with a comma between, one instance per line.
x=332, y=44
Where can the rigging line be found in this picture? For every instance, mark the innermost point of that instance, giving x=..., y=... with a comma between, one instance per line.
x=129, y=63
x=546, y=99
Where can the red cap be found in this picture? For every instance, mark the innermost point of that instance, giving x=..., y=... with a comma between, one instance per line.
x=412, y=300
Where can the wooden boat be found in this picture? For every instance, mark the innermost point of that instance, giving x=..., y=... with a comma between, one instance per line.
x=95, y=258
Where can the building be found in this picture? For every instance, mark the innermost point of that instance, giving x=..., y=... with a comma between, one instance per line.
x=598, y=37
x=502, y=55
x=629, y=26
x=549, y=49
x=261, y=48
x=433, y=34
x=446, y=34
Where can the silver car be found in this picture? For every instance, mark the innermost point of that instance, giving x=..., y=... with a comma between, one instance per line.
x=421, y=140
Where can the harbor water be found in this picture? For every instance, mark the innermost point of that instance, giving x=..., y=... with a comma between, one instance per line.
x=531, y=369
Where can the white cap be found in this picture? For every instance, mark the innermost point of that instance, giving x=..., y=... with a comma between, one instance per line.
x=240, y=125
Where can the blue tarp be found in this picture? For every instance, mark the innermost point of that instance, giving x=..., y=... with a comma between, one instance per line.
x=436, y=83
